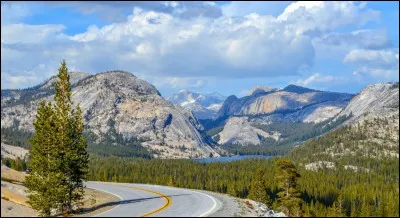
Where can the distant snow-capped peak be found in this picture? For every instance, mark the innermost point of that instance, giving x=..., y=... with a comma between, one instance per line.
x=204, y=105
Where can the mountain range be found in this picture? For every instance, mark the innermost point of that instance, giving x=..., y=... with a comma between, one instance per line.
x=117, y=104
x=241, y=118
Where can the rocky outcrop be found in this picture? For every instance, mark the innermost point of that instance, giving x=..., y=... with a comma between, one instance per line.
x=133, y=106
x=230, y=105
x=304, y=104
x=315, y=166
x=381, y=99
x=203, y=105
x=13, y=152
x=311, y=114
x=238, y=130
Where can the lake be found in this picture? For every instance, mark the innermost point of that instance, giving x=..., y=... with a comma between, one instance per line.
x=228, y=159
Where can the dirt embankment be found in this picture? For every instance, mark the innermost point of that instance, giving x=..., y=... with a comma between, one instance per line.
x=14, y=198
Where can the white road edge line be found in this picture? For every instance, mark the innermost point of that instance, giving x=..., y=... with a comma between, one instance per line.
x=202, y=215
x=211, y=197
x=111, y=208
x=213, y=207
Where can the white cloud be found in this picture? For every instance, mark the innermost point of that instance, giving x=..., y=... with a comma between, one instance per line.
x=372, y=57
x=322, y=16
x=367, y=39
x=160, y=44
x=389, y=74
x=375, y=63
x=184, y=51
x=30, y=34
x=16, y=81
x=113, y=10
x=334, y=46
x=13, y=11
x=243, y=8
x=179, y=82
x=316, y=78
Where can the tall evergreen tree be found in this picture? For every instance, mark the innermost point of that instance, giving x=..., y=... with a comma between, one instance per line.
x=45, y=182
x=78, y=159
x=258, y=189
x=288, y=197
x=72, y=145
x=66, y=153
x=336, y=210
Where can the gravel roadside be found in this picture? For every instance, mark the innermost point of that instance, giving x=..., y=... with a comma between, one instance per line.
x=236, y=207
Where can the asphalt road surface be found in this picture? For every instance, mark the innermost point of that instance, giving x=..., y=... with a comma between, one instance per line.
x=139, y=200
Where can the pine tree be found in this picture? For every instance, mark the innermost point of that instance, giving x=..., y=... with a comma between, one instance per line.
x=232, y=189
x=44, y=183
x=335, y=210
x=288, y=197
x=258, y=191
x=63, y=113
x=59, y=139
x=78, y=159
x=171, y=181
x=69, y=125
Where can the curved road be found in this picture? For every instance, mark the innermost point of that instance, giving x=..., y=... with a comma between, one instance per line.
x=156, y=201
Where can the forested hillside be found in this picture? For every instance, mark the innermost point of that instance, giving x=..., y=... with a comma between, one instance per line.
x=371, y=139
x=363, y=161
x=358, y=193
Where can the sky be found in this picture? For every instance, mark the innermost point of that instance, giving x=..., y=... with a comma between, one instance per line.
x=225, y=47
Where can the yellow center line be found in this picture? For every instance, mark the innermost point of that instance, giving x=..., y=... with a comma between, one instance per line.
x=168, y=200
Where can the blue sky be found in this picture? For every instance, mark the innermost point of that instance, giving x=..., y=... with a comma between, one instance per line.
x=225, y=47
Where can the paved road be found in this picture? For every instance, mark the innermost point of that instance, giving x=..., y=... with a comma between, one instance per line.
x=156, y=201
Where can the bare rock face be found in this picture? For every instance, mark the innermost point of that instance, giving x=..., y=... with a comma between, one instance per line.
x=315, y=166
x=315, y=113
x=380, y=99
x=13, y=152
x=305, y=104
x=134, y=106
x=239, y=130
x=267, y=105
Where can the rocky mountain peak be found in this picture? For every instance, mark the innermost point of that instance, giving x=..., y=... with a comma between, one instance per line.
x=298, y=89
x=74, y=77
x=118, y=101
x=203, y=105
x=231, y=98
x=379, y=99
x=120, y=81
x=261, y=89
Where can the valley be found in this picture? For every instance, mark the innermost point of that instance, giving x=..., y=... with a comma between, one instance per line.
x=116, y=110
